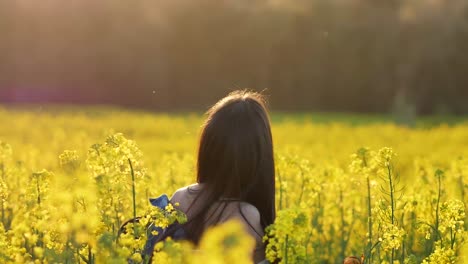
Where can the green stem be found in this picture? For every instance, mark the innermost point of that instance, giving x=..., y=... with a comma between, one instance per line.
x=452, y=238
x=343, y=223
x=280, y=190
x=133, y=195
x=369, y=221
x=90, y=255
x=38, y=191
x=286, y=250
x=392, y=191
x=439, y=191
x=392, y=203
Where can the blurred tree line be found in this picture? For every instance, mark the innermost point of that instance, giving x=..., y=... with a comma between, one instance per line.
x=321, y=55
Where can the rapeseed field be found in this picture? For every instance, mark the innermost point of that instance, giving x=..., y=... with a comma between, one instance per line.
x=70, y=178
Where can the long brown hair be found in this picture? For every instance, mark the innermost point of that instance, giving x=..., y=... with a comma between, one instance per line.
x=235, y=160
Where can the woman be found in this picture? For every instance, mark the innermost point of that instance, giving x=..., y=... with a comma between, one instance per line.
x=235, y=170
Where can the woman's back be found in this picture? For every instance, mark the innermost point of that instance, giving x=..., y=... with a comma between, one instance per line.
x=222, y=210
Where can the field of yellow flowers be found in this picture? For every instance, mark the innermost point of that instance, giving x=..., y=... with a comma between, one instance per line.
x=69, y=178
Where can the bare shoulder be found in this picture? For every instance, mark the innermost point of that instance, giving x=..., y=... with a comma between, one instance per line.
x=184, y=195
x=178, y=194
x=181, y=192
x=250, y=217
x=250, y=212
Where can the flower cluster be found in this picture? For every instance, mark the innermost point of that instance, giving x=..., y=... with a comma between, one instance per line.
x=441, y=255
x=392, y=237
x=287, y=238
x=69, y=160
x=452, y=216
